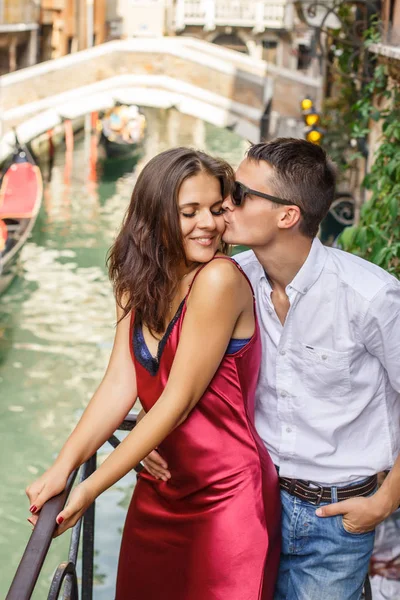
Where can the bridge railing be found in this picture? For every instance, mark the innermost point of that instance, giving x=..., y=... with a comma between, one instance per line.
x=258, y=15
x=35, y=553
x=13, y=12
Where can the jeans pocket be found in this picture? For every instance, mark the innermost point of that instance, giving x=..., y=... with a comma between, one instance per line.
x=351, y=533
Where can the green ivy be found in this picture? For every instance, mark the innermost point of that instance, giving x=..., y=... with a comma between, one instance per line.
x=376, y=236
x=339, y=117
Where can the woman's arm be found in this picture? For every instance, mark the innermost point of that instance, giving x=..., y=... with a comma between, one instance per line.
x=217, y=300
x=106, y=410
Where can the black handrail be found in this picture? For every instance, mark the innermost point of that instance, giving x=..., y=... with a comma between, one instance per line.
x=36, y=550
x=38, y=545
x=31, y=563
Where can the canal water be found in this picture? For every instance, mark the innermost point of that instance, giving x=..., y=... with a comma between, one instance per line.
x=57, y=326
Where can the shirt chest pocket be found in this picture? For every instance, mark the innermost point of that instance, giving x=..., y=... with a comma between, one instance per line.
x=325, y=372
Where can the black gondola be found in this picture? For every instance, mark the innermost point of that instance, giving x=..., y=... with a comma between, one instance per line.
x=122, y=130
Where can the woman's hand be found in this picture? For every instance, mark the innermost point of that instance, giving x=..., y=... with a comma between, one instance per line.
x=79, y=501
x=51, y=483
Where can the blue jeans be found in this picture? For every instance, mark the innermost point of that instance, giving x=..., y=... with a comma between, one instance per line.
x=320, y=560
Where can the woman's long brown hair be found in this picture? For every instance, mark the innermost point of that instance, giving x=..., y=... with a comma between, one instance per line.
x=143, y=262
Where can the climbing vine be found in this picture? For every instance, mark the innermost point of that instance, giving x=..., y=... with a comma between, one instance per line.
x=377, y=235
x=373, y=98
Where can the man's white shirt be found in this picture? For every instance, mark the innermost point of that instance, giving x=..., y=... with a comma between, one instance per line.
x=328, y=395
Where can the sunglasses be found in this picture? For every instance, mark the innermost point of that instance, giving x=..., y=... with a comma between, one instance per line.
x=240, y=191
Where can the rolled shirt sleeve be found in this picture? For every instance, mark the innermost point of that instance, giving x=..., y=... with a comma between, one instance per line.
x=381, y=330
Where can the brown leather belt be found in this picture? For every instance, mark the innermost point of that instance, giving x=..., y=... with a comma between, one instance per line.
x=315, y=494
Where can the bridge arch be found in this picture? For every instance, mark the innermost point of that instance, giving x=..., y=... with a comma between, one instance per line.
x=224, y=87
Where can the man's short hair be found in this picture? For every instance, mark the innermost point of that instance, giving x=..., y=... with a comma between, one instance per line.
x=303, y=173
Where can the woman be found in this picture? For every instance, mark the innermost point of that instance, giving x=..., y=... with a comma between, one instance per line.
x=187, y=344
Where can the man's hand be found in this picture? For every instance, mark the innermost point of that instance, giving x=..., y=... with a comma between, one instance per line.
x=154, y=463
x=360, y=515
x=156, y=466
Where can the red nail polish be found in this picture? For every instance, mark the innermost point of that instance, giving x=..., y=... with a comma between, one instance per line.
x=60, y=520
x=33, y=508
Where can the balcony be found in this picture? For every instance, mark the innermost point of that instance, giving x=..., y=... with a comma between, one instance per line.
x=389, y=46
x=257, y=15
x=19, y=15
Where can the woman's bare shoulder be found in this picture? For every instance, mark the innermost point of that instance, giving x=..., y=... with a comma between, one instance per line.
x=220, y=276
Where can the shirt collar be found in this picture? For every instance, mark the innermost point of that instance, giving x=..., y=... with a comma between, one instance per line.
x=311, y=269
x=309, y=272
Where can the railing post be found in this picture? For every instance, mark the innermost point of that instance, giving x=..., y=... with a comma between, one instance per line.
x=209, y=13
x=88, y=540
x=65, y=572
x=180, y=15
x=288, y=15
x=259, y=25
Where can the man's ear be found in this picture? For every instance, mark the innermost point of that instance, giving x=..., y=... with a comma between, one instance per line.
x=289, y=217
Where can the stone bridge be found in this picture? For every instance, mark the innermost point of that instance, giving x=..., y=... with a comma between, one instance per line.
x=198, y=78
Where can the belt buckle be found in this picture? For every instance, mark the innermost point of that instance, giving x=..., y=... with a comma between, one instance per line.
x=320, y=492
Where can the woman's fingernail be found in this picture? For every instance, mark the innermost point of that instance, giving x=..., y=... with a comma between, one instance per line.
x=33, y=508
x=60, y=520
x=318, y=512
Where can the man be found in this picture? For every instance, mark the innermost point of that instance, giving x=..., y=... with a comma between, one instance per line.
x=328, y=397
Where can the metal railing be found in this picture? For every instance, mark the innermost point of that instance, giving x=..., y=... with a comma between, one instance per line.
x=13, y=12
x=257, y=14
x=29, y=568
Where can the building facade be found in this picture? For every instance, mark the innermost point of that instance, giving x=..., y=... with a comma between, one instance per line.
x=71, y=25
x=388, y=53
x=32, y=31
x=19, y=34
x=266, y=29
x=269, y=30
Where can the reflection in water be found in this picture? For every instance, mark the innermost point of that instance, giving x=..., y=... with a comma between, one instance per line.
x=57, y=325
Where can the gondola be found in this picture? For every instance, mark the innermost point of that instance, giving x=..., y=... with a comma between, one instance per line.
x=122, y=130
x=20, y=199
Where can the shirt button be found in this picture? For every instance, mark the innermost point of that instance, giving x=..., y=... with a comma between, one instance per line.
x=305, y=290
x=324, y=357
x=282, y=352
x=288, y=429
x=283, y=394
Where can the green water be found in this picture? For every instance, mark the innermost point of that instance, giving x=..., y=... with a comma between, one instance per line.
x=56, y=331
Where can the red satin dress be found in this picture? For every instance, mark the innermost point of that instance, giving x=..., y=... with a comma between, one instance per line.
x=212, y=532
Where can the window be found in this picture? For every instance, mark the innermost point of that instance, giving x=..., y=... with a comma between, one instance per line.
x=304, y=57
